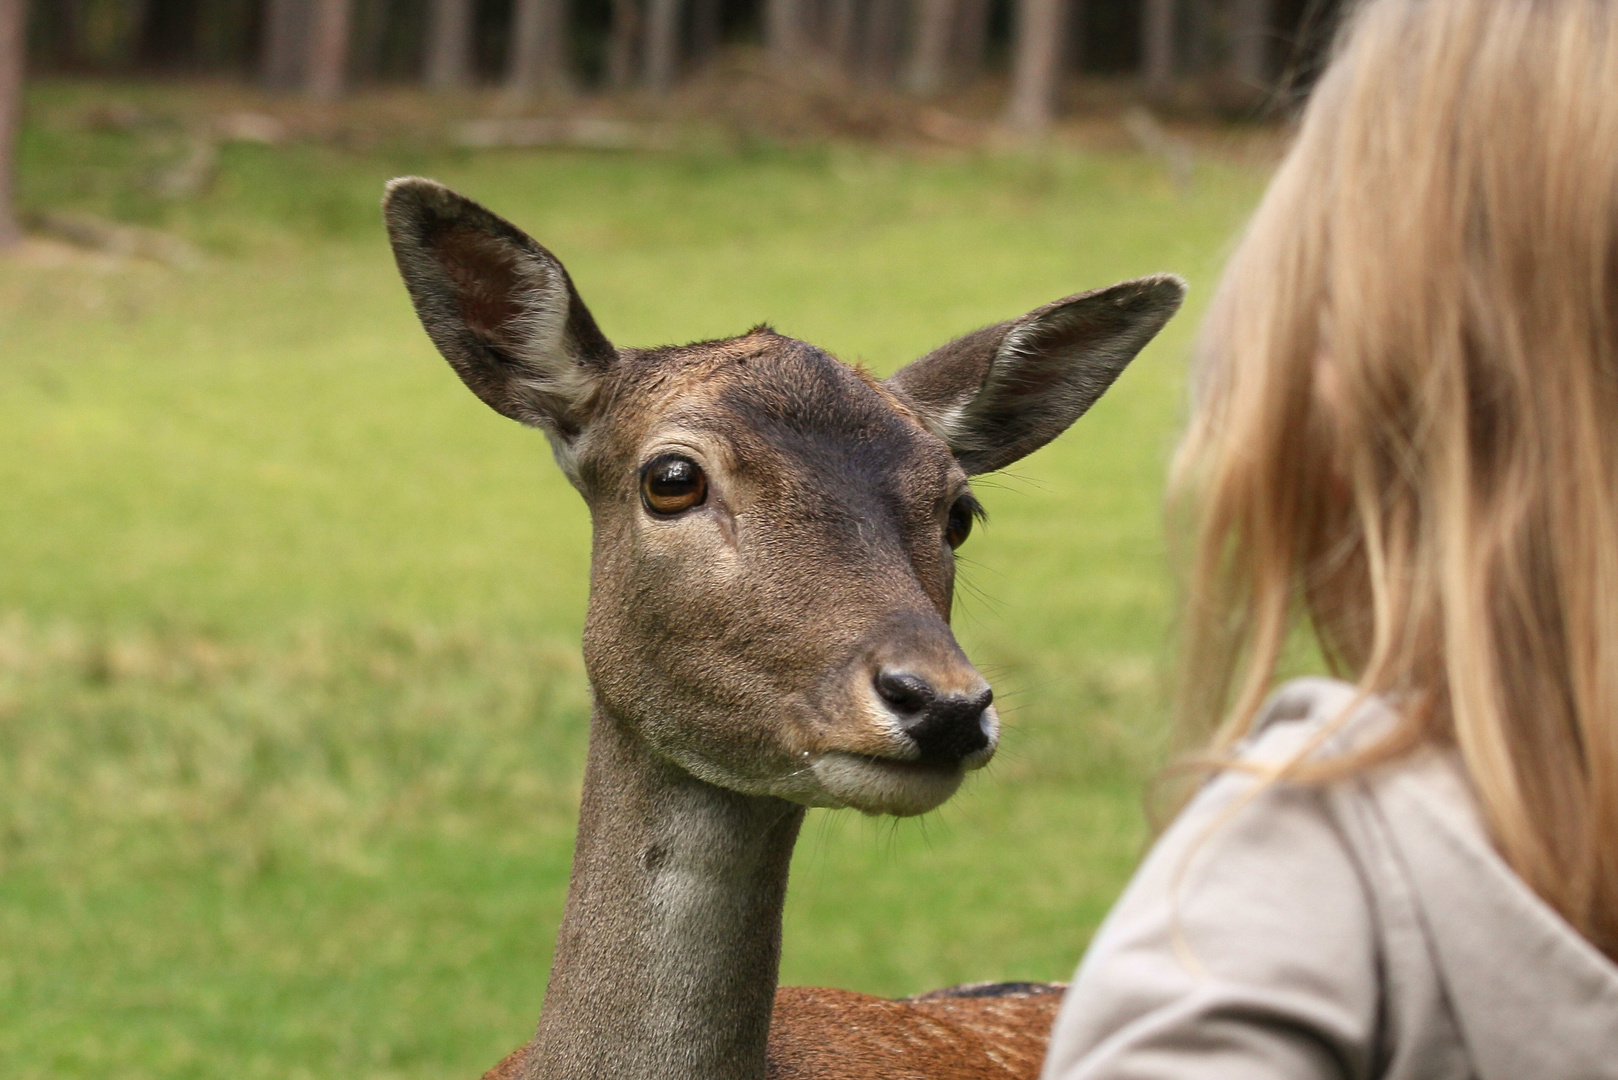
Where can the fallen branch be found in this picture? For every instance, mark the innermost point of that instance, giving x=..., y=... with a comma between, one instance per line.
x=1153, y=138
x=574, y=132
x=129, y=241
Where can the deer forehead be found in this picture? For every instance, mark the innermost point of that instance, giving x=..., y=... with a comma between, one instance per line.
x=784, y=421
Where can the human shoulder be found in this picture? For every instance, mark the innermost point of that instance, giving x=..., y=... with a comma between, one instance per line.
x=1444, y=901
x=1318, y=719
x=1285, y=766
x=1246, y=942
x=1252, y=799
x=1257, y=939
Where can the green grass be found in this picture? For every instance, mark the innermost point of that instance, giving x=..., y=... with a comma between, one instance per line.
x=291, y=714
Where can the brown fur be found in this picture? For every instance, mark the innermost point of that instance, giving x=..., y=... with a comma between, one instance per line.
x=820, y=1034
x=839, y=1035
x=759, y=651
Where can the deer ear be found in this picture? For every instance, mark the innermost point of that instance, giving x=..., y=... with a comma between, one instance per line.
x=1002, y=392
x=499, y=307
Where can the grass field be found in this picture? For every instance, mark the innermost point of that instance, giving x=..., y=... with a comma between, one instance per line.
x=291, y=713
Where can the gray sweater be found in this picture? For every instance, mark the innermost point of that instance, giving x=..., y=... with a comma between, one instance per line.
x=1364, y=928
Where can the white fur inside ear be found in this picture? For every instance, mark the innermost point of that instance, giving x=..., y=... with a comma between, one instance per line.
x=548, y=370
x=1015, y=344
x=1042, y=372
x=948, y=423
x=1071, y=376
x=540, y=332
x=567, y=457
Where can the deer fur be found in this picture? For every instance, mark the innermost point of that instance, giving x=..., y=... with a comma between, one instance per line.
x=780, y=642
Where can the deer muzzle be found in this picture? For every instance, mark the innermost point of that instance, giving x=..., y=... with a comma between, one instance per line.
x=921, y=718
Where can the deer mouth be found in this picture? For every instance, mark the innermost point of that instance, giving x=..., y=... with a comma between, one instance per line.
x=885, y=785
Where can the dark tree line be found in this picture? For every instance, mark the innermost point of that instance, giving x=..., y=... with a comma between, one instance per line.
x=12, y=14
x=321, y=47
x=534, y=48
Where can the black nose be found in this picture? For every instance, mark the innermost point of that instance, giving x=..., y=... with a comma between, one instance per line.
x=945, y=727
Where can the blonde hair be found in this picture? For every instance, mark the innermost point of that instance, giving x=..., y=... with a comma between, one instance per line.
x=1406, y=420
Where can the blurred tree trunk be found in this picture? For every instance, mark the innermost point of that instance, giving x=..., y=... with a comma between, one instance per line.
x=539, y=48
x=67, y=39
x=228, y=35
x=884, y=35
x=1157, y=47
x=1249, y=43
x=369, y=45
x=971, y=38
x=134, y=19
x=623, y=43
x=1199, y=35
x=13, y=50
x=168, y=34
x=930, y=57
x=1075, y=51
x=327, y=74
x=707, y=27
x=449, y=44
x=281, y=55
x=842, y=33
x=663, y=20
x=784, y=29
x=1036, y=64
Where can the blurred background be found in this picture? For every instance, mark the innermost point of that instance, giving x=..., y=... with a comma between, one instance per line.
x=291, y=709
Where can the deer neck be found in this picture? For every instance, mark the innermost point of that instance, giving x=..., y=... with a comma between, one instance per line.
x=667, y=956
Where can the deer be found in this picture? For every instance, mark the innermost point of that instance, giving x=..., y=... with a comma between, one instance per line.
x=768, y=630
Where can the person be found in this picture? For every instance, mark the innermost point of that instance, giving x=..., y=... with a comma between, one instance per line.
x=1403, y=454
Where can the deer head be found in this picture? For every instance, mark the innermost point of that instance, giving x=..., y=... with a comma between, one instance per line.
x=773, y=530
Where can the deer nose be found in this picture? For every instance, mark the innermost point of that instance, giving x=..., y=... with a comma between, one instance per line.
x=946, y=728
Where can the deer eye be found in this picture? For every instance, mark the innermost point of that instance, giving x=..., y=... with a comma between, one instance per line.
x=959, y=524
x=671, y=484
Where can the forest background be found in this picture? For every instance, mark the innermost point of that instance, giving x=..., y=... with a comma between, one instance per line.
x=291, y=709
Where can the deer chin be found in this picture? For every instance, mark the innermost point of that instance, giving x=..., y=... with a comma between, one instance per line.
x=848, y=780
x=877, y=771
x=884, y=785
